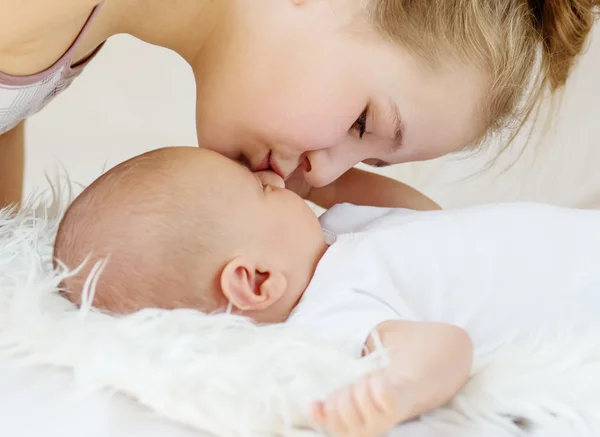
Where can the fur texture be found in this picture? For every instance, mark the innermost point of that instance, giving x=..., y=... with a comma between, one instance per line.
x=227, y=376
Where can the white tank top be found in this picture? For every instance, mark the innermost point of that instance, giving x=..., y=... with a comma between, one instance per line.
x=24, y=96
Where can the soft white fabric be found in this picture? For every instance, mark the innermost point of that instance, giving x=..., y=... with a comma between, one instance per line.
x=534, y=265
x=39, y=402
x=219, y=373
x=62, y=369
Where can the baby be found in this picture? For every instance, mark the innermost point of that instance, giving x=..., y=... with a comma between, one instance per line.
x=185, y=227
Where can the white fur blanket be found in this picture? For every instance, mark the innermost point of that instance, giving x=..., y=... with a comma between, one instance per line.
x=224, y=375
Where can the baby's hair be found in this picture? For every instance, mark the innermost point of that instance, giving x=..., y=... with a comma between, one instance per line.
x=157, y=246
x=527, y=46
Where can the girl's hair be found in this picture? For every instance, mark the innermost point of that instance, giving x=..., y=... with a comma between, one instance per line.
x=527, y=46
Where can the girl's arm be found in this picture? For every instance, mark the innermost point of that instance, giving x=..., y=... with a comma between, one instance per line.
x=12, y=162
x=369, y=189
x=429, y=364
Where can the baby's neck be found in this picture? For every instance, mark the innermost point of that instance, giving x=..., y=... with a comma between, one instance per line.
x=296, y=296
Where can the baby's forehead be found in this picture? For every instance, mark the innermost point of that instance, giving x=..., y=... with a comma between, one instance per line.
x=175, y=182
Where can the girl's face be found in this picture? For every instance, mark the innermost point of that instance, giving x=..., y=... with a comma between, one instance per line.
x=310, y=85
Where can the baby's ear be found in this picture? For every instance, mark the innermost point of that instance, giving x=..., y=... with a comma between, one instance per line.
x=249, y=287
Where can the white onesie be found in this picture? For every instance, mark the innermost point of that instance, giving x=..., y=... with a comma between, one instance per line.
x=501, y=271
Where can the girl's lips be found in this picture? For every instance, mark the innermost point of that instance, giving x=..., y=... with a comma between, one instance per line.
x=265, y=164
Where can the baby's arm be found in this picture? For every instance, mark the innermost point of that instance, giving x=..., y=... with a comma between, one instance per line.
x=369, y=189
x=429, y=363
x=12, y=161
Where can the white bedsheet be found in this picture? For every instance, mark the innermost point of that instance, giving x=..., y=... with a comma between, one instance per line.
x=36, y=402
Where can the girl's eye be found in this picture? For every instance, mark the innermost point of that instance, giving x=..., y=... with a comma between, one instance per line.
x=360, y=125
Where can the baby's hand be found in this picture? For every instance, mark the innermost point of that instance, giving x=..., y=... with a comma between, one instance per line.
x=368, y=408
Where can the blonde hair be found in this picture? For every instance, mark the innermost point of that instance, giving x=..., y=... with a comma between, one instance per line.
x=528, y=47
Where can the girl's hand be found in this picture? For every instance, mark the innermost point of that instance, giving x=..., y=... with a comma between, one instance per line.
x=361, y=187
x=367, y=408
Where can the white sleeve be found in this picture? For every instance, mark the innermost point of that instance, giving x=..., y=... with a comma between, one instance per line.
x=345, y=317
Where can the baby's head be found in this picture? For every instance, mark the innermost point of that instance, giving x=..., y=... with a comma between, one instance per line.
x=184, y=227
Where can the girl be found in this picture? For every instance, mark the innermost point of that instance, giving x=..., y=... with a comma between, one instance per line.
x=309, y=88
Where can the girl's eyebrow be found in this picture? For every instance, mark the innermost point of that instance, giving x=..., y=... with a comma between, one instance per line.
x=396, y=119
x=398, y=126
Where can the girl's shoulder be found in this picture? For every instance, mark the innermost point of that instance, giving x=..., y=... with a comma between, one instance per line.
x=21, y=23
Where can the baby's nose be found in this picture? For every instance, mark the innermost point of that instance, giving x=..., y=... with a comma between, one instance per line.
x=268, y=177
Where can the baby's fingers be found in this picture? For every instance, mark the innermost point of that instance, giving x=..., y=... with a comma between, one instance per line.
x=381, y=404
x=318, y=413
x=369, y=402
x=391, y=397
x=339, y=415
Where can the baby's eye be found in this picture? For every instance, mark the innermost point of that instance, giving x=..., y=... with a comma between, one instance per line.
x=360, y=125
